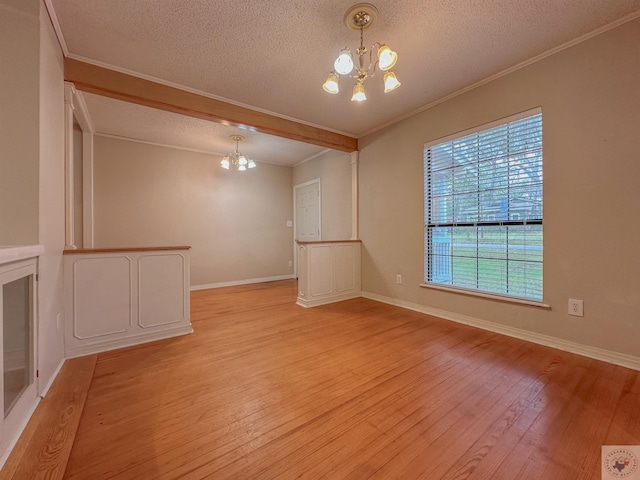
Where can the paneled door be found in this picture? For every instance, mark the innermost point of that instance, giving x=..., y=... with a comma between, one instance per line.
x=307, y=222
x=307, y=228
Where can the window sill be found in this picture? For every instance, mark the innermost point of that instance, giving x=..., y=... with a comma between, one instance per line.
x=491, y=296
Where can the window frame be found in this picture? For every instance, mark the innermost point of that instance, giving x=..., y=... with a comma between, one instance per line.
x=427, y=242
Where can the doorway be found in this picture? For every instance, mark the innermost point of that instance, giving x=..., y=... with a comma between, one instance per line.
x=308, y=210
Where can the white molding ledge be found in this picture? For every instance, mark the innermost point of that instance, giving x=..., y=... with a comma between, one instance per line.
x=596, y=353
x=14, y=253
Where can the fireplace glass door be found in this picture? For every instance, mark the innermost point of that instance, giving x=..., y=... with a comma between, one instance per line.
x=17, y=341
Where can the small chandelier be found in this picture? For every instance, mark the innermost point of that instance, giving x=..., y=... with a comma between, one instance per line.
x=359, y=17
x=238, y=160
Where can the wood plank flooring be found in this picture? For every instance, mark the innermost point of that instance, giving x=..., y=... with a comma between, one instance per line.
x=355, y=390
x=45, y=444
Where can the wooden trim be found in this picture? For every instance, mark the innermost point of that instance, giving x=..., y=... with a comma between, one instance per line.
x=125, y=249
x=110, y=83
x=327, y=241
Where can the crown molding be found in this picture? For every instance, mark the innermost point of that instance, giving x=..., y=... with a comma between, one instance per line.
x=530, y=61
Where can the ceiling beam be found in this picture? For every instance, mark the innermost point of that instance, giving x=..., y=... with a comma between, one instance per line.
x=110, y=83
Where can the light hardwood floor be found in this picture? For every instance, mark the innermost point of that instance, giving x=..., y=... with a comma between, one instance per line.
x=359, y=389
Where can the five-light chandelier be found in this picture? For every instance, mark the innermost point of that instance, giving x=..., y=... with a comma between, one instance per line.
x=238, y=160
x=359, y=17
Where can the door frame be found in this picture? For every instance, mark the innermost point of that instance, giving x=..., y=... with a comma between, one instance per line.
x=295, y=219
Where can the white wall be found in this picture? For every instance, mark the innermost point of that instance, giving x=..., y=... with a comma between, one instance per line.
x=235, y=222
x=591, y=131
x=334, y=171
x=51, y=208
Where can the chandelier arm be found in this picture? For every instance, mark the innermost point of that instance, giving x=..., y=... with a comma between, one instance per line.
x=359, y=17
x=375, y=64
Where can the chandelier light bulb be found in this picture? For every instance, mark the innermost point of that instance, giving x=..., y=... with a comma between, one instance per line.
x=390, y=81
x=237, y=159
x=361, y=63
x=344, y=63
x=387, y=58
x=358, y=93
x=331, y=85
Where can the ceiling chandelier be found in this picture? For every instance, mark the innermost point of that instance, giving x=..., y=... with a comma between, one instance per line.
x=238, y=160
x=359, y=17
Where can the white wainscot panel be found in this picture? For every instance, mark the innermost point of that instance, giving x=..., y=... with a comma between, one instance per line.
x=346, y=265
x=101, y=296
x=161, y=284
x=124, y=297
x=321, y=263
x=328, y=272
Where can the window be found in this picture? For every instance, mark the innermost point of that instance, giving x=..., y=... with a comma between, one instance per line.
x=483, y=208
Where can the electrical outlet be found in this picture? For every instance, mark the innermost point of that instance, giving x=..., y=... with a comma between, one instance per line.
x=289, y=223
x=576, y=307
x=399, y=279
x=291, y=263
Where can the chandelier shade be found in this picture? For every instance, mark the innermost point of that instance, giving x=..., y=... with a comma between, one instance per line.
x=237, y=159
x=387, y=58
x=359, y=17
x=390, y=81
x=331, y=85
x=358, y=93
x=344, y=63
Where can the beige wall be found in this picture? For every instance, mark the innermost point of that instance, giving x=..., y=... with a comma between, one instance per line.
x=334, y=171
x=147, y=195
x=19, y=47
x=51, y=201
x=590, y=99
x=32, y=159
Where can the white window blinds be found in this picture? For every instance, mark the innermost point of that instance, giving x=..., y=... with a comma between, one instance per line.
x=483, y=209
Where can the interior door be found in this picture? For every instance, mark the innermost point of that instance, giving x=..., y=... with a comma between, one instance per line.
x=308, y=212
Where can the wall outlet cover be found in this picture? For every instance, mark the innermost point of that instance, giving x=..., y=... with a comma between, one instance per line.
x=576, y=307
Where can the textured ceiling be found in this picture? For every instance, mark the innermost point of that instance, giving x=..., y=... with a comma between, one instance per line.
x=274, y=55
x=131, y=121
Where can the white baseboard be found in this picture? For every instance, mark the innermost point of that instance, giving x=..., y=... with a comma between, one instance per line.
x=126, y=342
x=596, y=353
x=46, y=388
x=234, y=283
x=14, y=439
x=324, y=301
x=23, y=424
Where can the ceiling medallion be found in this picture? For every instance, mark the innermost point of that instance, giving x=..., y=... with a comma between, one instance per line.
x=359, y=17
